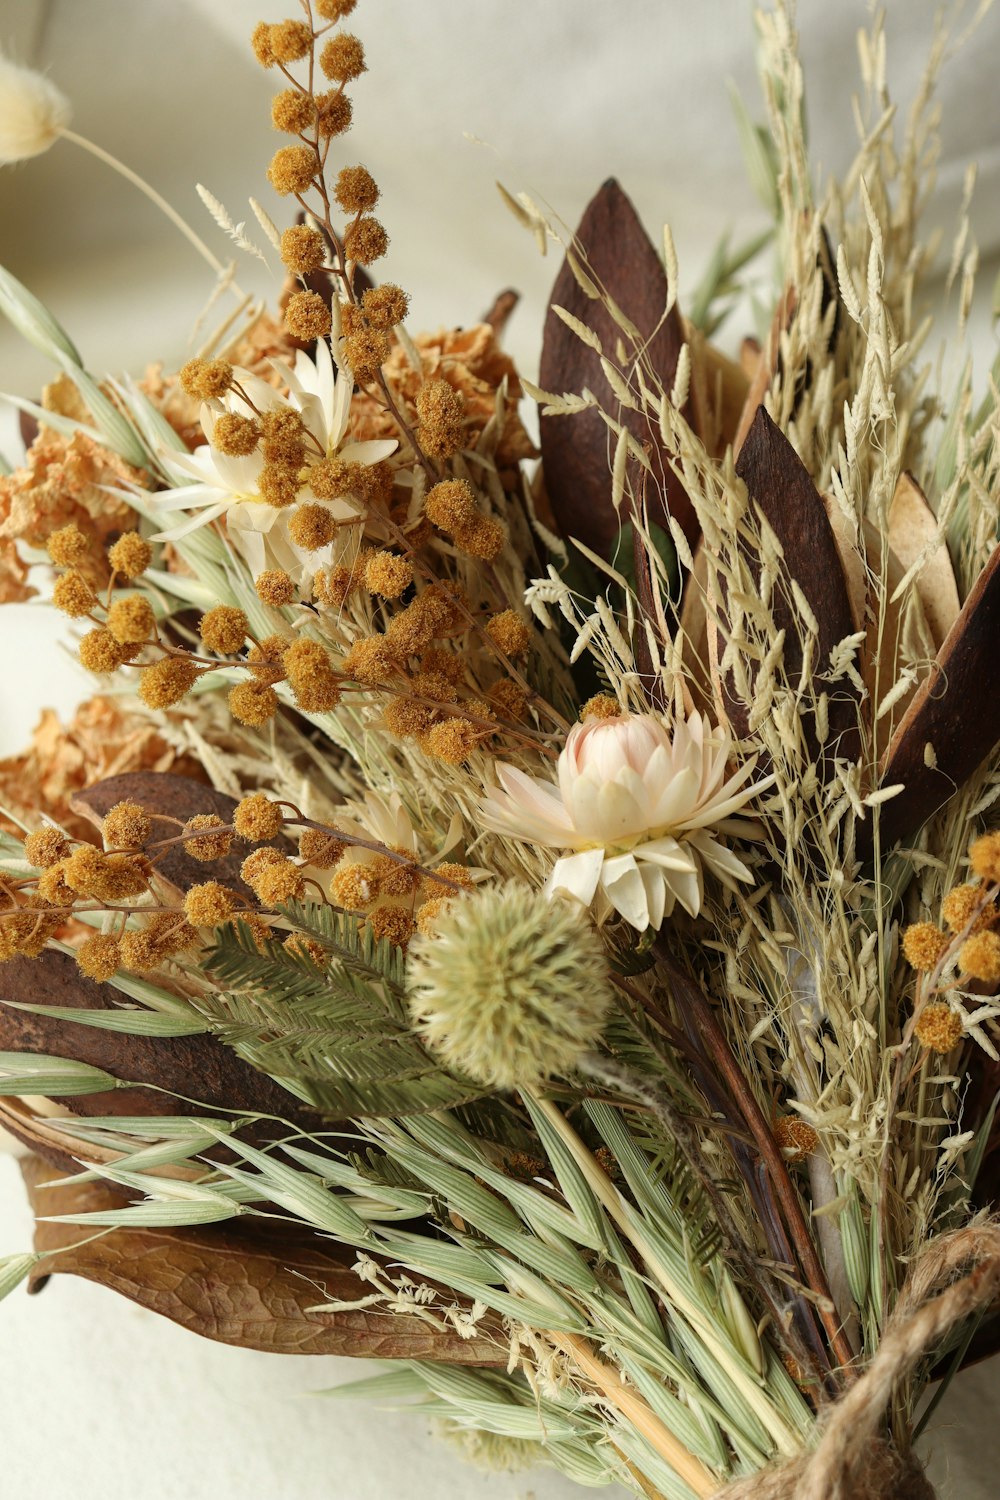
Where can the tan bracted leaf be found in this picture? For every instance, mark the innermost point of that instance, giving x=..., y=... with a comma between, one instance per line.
x=617, y=254
x=953, y=721
x=912, y=527
x=237, y=1286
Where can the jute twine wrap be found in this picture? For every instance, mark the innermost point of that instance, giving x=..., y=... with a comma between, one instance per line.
x=854, y=1459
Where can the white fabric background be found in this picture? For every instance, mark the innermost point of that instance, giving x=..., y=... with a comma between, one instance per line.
x=98, y=1400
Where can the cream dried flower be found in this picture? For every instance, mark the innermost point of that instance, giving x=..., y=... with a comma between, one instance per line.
x=33, y=112
x=639, y=810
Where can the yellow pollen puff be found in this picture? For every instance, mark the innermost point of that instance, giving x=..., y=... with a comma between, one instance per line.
x=601, y=706
x=436, y=686
x=453, y=740
x=979, y=957
x=203, y=839
x=335, y=113
x=224, y=629
x=301, y=946
x=209, y=904
x=924, y=945
x=206, y=379
x=278, y=485
x=335, y=10
x=430, y=615
x=303, y=249
x=333, y=586
x=274, y=587
x=483, y=538
x=322, y=849
x=509, y=632
x=253, y=703
x=257, y=818
x=292, y=169
x=938, y=1027
x=796, y=1138
x=310, y=672
x=365, y=241
x=166, y=682
x=428, y=913
x=395, y=880
x=170, y=932
x=260, y=41
x=356, y=190
x=67, y=547
x=449, y=870
x=126, y=826
x=131, y=555
x=984, y=856
x=73, y=595
x=99, y=957
x=451, y=504
x=235, y=435
x=388, y=575
x=405, y=718
x=280, y=883
x=392, y=924
x=354, y=886
x=366, y=352
x=441, y=410
x=256, y=863
x=139, y=951
x=371, y=661
x=131, y=620
x=509, y=701
x=343, y=58
x=265, y=659
x=290, y=41
x=259, y=930
x=45, y=848
x=106, y=877
x=965, y=903
x=312, y=527
x=385, y=306
x=307, y=316
x=293, y=111
x=100, y=652
x=53, y=888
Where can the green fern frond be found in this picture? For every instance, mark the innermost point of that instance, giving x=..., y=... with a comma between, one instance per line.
x=336, y=1034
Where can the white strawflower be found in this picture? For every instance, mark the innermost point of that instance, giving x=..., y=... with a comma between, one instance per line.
x=33, y=112
x=639, y=808
x=209, y=484
x=509, y=988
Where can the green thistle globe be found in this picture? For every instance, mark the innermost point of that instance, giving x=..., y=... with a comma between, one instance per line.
x=511, y=987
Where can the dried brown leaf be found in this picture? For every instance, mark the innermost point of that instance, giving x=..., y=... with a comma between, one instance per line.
x=256, y=1291
x=953, y=721
x=575, y=448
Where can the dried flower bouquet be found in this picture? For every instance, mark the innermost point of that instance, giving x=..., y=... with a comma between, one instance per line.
x=534, y=923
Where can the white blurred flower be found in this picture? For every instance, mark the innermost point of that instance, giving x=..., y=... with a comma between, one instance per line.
x=639, y=810
x=228, y=486
x=33, y=112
